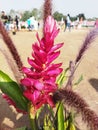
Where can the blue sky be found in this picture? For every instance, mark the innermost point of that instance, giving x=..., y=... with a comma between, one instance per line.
x=73, y=7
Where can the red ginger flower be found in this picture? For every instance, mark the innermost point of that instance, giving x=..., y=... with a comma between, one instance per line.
x=40, y=80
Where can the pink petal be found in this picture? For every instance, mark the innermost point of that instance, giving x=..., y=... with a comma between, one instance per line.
x=28, y=95
x=31, y=74
x=35, y=96
x=33, y=64
x=54, y=34
x=50, y=101
x=55, y=47
x=38, y=85
x=27, y=82
x=38, y=61
x=40, y=55
x=35, y=46
x=26, y=70
x=38, y=52
x=53, y=66
x=40, y=102
x=32, y=96
x=40, y=41
x=53, y=56
x=49, y=24
x=55, y=72
x=48, y=43
x=49, y=88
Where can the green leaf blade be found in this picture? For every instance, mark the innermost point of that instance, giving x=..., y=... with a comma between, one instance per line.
x=13, y=91
x=60, y=117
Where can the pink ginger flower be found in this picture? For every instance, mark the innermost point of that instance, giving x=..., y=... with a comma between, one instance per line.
x=40, y=80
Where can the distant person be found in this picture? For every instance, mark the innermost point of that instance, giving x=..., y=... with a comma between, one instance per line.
x=76, y=23
x=35, y=25
x=65, y=24
x=13, y=28
x=9, y=22
x=69, y=22
x=29, y=24
x=38, y=25
x=17, y=22
x=4, y=19
x=96, y=23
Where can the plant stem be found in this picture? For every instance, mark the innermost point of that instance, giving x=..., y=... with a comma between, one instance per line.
x=32, y=117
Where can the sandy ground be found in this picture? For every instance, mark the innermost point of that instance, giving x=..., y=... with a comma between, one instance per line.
x=88, y=88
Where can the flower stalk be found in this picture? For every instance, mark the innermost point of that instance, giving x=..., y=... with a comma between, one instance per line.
x=47, y=10
x=9, y=43
x=32, y=113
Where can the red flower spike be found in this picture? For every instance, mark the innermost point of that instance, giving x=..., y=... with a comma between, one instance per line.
x=40, y=79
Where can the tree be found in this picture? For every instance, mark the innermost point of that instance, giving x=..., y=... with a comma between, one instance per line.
x=58, y=16
x=74, y=18
x=26, y=15
x=35, y=12
x=12, y=13
x=81, y=16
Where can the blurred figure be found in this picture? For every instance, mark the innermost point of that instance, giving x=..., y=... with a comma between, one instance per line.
x=32, y=20
x=4, y=19
x=65, y=24
x=17, y=22
x=35, y=25
x=13, y=28
x=38, y=25
x=96, y=23
x=29, y=24
x=9, y=22
x=69, y=22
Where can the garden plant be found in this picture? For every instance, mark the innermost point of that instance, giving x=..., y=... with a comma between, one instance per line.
x=40, y=90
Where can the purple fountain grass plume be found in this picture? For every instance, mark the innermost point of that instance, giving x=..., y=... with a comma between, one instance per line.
x=47, y=9
x=9, y=43
x=86, y=44
x=72, y=99
x=13, y=66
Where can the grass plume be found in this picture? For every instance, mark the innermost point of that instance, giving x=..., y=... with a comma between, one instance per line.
x=73, y=100
x=12, y=65
x=86, y=44
x=47, y=9
x=9, y=43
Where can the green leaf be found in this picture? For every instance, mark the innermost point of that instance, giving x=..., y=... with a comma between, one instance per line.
x=13, y=91
x=62, y=77
x=22, y=128
x=72, y=126
x=69, y=123
x=66, y=125
x=79, y=80
x=45, y=117
x=60, y=117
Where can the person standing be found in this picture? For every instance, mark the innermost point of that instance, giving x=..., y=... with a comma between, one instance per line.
x=29, y=24
x=65, y=24
x=4, y=19
x=96, y=23
x=69, y=22
x=17, y=22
